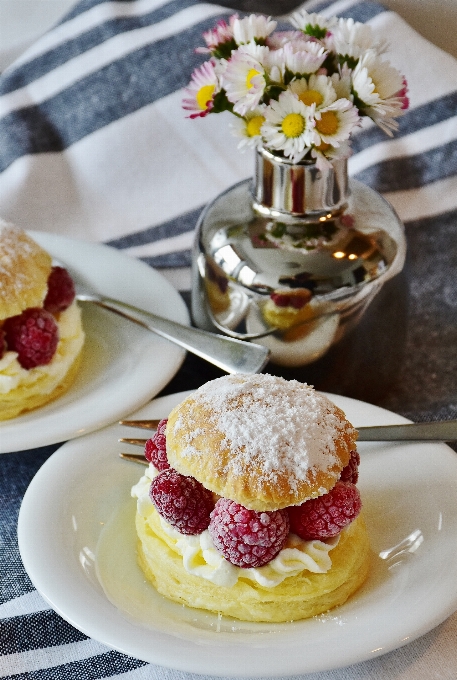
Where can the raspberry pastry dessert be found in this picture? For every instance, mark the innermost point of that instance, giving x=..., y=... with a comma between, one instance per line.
x=249, y=507
x=41, y=334
x=286, y=309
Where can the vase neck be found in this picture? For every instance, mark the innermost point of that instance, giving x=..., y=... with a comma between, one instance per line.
x=282, y=188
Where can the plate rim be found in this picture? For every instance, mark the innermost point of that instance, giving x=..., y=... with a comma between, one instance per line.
x=389, y=418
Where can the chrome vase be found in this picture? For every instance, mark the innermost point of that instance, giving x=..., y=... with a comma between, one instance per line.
x=293, y=258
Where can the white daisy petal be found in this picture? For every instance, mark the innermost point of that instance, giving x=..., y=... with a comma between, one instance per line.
x=252, y=28
x=352, y=38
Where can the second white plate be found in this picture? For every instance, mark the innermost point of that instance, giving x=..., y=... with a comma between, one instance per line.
x=79, y=551
x=123, y=365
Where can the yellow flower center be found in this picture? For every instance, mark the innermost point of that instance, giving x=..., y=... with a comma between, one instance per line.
x=293, y=125
x=253, y=126
x=204, y=95
x=249, y=76
x=328, y=123
x=311, y=97
x=323, y=146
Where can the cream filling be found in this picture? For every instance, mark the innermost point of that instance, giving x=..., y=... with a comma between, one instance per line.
x=71, y=340
x=201, y=558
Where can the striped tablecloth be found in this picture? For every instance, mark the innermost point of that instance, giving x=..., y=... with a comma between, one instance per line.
x=94, y=145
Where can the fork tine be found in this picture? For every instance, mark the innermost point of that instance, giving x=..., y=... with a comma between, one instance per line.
x=143, y=424
x=134, y=458
x=135, y=442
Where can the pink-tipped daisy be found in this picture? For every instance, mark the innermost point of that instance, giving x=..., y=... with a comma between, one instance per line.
x=244, y=78
x=201, y=90
x=219, y=38
x=281, y=38
x=375, y=85
x=303, y=58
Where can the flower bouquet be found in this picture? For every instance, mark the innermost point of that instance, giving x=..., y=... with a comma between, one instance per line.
x=299, y=93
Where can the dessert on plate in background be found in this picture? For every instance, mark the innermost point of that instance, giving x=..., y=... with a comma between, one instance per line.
x=41, y=333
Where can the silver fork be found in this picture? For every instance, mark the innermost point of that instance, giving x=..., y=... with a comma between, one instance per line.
x=229, y=354
x=439, y=431
x=442, y=431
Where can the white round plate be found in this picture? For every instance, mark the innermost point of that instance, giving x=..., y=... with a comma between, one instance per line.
x=123, y=365
x=79, y=551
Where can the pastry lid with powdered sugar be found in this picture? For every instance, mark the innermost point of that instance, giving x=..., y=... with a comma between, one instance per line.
x=263, y=441
x=24, y=271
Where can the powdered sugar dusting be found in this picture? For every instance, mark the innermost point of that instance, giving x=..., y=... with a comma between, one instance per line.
x=271, y=422
x=11, y=276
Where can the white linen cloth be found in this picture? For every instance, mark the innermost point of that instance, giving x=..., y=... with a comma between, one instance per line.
x=94, y=145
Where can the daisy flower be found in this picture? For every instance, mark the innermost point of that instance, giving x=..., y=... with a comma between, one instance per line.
x=335, y=123
x=352, y=38
x=203, y=86
x=219, y=40
x=315, y=25
x=280, y=38
x=303, y=57
x=289, y=126
x=244, y=78
x=254, y=27
x=248, y=129
x=318, y=90
x=300, y=92
x=377, y=88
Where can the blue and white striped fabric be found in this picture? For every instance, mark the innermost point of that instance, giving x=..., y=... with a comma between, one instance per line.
x=94, y=145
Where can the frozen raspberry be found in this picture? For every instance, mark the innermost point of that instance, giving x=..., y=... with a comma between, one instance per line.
x=295, y=298
x=247, y=538
x=182, y=501
x=324, y=517
x=34, y=335
x=155, y=450
x=61, y=291
x=351, y=472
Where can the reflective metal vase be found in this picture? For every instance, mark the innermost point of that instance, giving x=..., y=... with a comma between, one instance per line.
x=293, y=258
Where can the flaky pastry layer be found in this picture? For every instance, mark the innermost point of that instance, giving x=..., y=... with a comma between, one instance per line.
x=297, y=597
